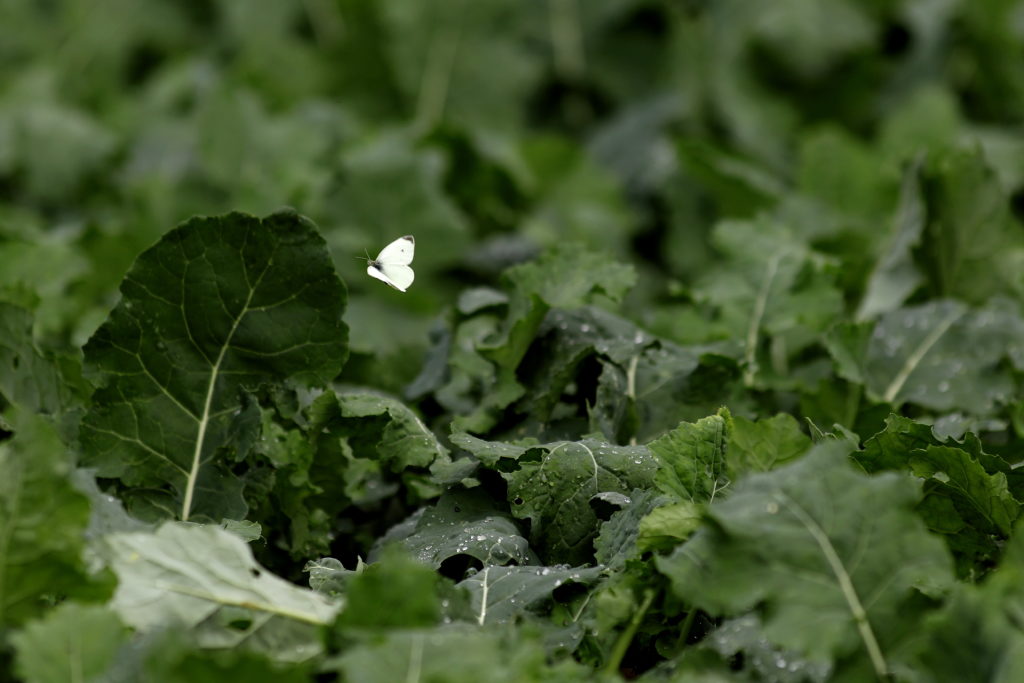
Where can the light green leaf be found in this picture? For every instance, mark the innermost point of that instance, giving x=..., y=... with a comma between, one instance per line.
x=219, y=304
x=72, y=643
x=668, y=526
x=691, y=459
x=502, y=593
x=43, y=519
x=833, y=556
x=206, y=579
x=766, y=444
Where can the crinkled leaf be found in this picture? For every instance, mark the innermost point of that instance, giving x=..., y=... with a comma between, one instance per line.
x=833, y=557
x=982, y=499
x=502, y=593
x=206, y=579
x=966, y=491
x=619, y=538
x=219, y=304
x=405, y=441
x=553, y=487
x=71, y=643
x=373, y=442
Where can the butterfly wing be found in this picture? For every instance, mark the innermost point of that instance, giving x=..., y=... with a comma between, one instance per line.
x=398, y=253
x=395, y=274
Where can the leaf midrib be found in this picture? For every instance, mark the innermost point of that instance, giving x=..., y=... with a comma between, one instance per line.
x=204, y=419
x=846, y=586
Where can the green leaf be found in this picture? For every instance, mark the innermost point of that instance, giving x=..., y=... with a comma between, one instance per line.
x=766, y=444
x=500, y=594
x=554, y=492
x=833, y=556
x=404, y=442
x=466, y=523
x=966, y=491
x=170, y=656
x=619, y=538
x=455, y=654
x=36, y=381
x=552, y=485
x=973, y=640
x=329, y=576
x=691, y=459
x=977, y=635
x=43, y=519
x=982, y=499
x=397, y=592
x=667, y=526
x=743, y=639
x=895, y=276
x=940, y=355
x=449, y=66
x=206, y=579
x=72, y=643
x=972, y=247
x=218, y=305
x=771, y=285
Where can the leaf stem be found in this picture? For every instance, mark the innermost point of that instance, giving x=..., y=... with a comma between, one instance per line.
x=566, y=40
x=611, y=667
x=437, y=75
x=684, y=630
x=248, y=604
x=631, y=388
x=760, y=305
x=193, y=473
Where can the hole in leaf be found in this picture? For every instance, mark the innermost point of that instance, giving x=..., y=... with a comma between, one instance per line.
x=456, y=566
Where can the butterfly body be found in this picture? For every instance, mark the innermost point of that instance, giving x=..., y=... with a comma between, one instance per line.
x=392, y=263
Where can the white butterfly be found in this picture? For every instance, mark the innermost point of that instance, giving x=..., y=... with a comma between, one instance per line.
x=392, y=263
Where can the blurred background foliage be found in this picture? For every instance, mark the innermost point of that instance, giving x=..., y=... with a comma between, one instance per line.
x=695, y=139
